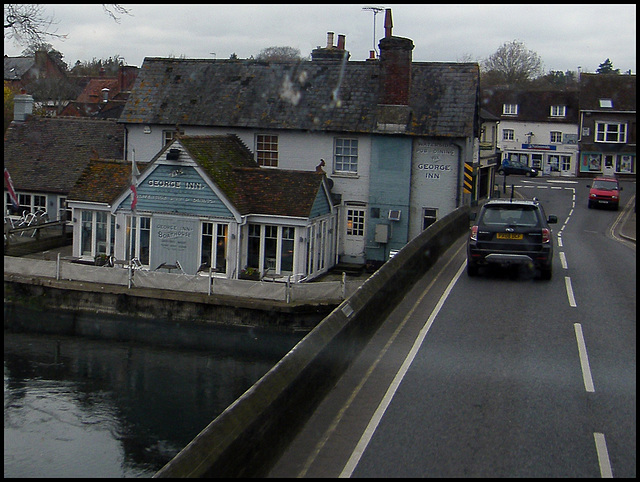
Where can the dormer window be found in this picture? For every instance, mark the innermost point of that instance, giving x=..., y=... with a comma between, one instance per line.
x=510, y=109
x=558, y=110
x=606, y=103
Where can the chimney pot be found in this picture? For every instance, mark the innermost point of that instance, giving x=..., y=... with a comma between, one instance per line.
x=388, y=23
x=329, y=40
x=341, y=42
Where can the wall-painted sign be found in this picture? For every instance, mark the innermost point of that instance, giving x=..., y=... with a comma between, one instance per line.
x=175, y=239
x=180, y=190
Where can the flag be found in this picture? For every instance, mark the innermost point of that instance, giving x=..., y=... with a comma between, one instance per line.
x=134, y=179
x=12, y=192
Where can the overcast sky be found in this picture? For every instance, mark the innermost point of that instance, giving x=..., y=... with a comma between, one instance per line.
x=565, y=37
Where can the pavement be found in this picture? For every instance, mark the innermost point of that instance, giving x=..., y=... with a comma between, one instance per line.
x=628, y=222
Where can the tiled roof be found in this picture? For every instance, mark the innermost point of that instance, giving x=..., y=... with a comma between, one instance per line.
x=621, y=89
x=103, y=180
x=49, y=154
x=533, y=105
x=93, y=90
x=252, y=189
x=301, y=95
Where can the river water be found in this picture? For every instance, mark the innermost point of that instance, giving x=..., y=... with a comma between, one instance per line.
x=76, y=407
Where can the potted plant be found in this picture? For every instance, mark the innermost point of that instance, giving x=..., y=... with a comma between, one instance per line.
x=250, y=273
x=100, y=260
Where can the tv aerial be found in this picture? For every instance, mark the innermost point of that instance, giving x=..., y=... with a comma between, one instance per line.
x=376, y=11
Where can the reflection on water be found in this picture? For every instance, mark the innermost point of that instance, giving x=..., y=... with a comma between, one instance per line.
x=75, y=407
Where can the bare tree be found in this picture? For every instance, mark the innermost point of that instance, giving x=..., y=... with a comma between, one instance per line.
x=279, y=53
x=513, y=63
x=29, y=25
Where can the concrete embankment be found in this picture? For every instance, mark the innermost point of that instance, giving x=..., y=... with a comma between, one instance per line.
x=250, y=435
x=152, y=316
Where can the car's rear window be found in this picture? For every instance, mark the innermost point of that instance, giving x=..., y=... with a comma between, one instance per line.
x=511, y=215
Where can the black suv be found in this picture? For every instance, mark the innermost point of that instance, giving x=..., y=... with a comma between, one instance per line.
x=509, y=232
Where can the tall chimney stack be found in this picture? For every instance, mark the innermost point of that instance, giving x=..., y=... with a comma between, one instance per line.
x=395, y=64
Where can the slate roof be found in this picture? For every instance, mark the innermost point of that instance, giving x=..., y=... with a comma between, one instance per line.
x=621, y=89
x=533, y=105
x=299, y=95
x=16, y=67
x=49, y=154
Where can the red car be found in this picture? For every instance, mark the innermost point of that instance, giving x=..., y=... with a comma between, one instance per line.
x=604, y=191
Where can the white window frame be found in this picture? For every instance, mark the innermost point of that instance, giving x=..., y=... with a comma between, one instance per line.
x=606, y=103
x=345, y=155
x=356, y=221
x=216, y=233
x=510, y=109
x=611, y=132
x=168, y=136
x=558, y=110
x=508, y=134
x=267, y=150
x=284, y=237
x=555, y=137
x=89, y=236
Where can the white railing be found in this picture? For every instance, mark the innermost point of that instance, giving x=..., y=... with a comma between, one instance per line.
x=283, y=290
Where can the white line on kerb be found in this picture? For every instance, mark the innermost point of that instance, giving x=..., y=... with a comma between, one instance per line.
x=391, y=391
x=603, y=456
x=572, y=300
x=584, y=359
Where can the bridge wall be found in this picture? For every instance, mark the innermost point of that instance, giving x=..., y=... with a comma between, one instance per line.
x=252, y=433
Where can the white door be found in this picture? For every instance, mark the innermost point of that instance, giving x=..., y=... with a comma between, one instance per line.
x=355, y=234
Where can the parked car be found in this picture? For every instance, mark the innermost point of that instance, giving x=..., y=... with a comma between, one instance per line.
x=511, y=232
x=517, y=167
x=604, y=191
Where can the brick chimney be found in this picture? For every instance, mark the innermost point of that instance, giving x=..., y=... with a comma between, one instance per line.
x=395, y=65
x=331, y=52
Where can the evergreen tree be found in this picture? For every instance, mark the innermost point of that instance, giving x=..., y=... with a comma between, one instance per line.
x=606, y=67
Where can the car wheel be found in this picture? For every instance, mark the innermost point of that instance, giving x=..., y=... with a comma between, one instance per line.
x=501, y=171
x=590, y=205
x=472, y=269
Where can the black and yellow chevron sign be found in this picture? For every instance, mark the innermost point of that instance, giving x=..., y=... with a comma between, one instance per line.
x=468, y=178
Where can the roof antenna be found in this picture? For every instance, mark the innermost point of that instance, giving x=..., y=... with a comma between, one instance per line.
x=376, y=11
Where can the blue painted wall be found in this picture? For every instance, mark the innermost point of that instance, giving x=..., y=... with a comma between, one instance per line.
x=389, y=189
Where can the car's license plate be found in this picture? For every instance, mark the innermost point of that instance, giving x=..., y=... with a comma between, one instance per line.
x=508, y=235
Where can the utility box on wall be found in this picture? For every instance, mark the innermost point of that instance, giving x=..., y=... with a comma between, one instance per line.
x=382, y=233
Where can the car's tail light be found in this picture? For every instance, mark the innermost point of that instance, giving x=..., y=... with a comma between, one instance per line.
x=474, y=233
x=546, y=235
